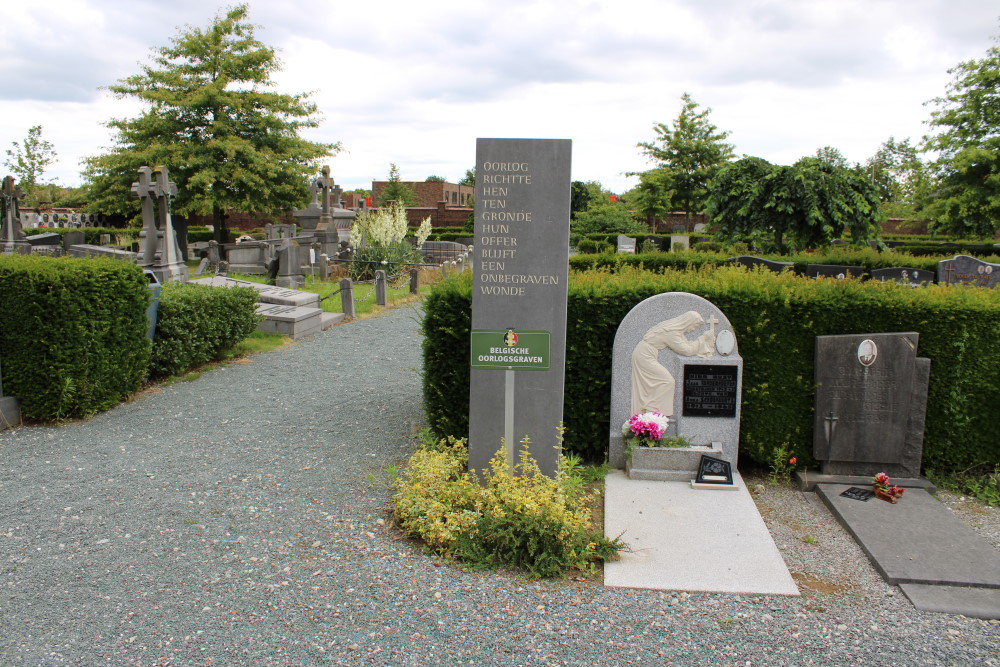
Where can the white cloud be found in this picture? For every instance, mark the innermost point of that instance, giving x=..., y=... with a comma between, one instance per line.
x=417, y=83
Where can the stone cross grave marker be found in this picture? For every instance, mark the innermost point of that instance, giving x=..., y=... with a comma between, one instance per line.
x=518, y=337
x=158, y=248
x=676, y=354
x=871, y=400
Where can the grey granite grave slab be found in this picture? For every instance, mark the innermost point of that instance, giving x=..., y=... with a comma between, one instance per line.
x=88, y=250
x=871, y=403
x=689, y=539
x=964, y=600
x=918, y=541
x=45, y=238
x=833, y=271
x=965, y=270
x=294, y=321
x=750, y=262
x=266, y=293
x=700, y=430
x=905, y=276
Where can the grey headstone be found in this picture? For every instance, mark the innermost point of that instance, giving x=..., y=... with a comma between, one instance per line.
x=679, y=243
x=904, y=276
x=750, y=262
x=967, y=270
x=520, y=283
x=626, y=243
x=871, y=402
x=701, y=430
x=833, y=271
x=73, y=238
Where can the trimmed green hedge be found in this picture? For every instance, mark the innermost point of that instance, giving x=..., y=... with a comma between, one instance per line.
x=197, y=324
x=91, y=235
x=776, y=318
x=658, y=262
x=73, y=333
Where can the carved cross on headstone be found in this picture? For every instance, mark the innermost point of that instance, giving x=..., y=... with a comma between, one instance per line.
x=10, y=227
x=337, y=192
x=164, y=189
x=950, y=270
x=11, y=192
x=145, y=190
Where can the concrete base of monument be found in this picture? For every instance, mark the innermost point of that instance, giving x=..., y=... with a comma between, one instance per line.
x=10, y=412
x=684, y=539
x=668, y=464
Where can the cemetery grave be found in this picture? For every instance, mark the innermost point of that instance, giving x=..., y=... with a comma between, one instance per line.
x=687, y=515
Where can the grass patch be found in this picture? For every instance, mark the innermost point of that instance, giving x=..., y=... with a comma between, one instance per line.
x=979, y=482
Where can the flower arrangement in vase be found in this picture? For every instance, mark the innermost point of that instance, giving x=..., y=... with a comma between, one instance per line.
x=885, y=491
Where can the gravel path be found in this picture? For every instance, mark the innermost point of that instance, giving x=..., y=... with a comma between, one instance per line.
x=241, y=519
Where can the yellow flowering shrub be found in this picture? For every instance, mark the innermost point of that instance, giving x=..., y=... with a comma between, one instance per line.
x=517, y=518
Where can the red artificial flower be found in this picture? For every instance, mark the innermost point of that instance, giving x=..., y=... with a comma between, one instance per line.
x=792, y=460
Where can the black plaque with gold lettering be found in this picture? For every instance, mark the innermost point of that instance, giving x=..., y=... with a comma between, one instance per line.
x=710, y=390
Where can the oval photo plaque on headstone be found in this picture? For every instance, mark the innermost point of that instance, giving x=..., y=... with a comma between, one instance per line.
x=725, y=342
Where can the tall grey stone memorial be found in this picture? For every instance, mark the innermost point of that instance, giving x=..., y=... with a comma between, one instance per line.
x=158, y=248
x=871, y=401
x=518, y=338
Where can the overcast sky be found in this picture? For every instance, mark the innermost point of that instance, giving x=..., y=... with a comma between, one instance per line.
x=415, y=83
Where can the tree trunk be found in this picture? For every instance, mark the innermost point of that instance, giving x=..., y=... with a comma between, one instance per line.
x=219, y=222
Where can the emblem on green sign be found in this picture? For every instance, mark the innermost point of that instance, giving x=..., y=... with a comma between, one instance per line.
x=510, y=350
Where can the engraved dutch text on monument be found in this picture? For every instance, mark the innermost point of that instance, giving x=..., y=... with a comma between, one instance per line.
x=710, y=391
x=518, y=337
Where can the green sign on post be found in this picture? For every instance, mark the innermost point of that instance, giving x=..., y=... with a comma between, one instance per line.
x=510, y=350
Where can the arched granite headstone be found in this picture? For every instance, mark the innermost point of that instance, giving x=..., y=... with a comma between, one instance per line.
x=708, y=381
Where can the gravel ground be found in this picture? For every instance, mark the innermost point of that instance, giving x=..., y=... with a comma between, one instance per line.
x=243, y=519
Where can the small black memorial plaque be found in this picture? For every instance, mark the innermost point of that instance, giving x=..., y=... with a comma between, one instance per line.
x=710, y=390
x=714, y=471
x=858, y=493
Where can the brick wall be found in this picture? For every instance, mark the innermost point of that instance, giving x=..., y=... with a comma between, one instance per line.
x=429, y=194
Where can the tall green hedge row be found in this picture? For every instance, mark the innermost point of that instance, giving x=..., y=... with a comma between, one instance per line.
x=72, y=333
x=196, y=324
x=776, y=319
x=660, y=261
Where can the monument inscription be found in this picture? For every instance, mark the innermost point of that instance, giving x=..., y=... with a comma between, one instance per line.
x=710, y=390
x=519, y=298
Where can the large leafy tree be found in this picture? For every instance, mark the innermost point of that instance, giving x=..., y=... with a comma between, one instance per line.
x=967, y=120
x=28, y=160
x=230, y=141
x=396, y=190
x=900, y=178
x=805, y=205
x=686, y=156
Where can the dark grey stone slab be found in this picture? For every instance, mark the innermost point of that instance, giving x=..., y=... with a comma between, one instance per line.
x=45, y=238
x=750, y=262
x=916, y=540
x=964, y=600
x=833, y=271
x=520, y=284
x=87, y=250
x=871, y=402
x=966, y=270
x=905, y=276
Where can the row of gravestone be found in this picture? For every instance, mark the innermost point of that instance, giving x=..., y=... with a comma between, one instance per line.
x=962, y=269
x=676, y=354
